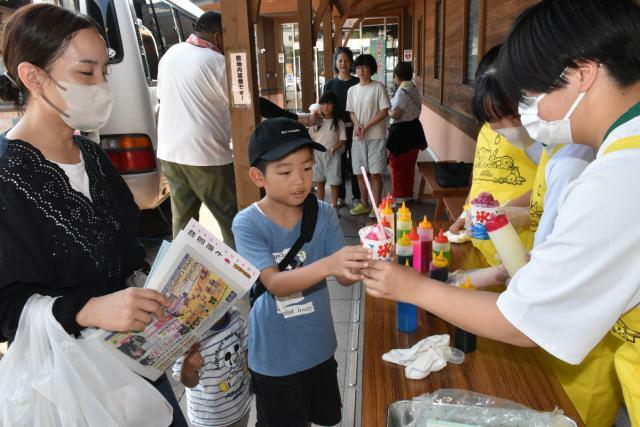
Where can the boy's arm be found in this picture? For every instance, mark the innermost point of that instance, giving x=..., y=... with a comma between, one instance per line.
x=340, y=264
x=192, y=362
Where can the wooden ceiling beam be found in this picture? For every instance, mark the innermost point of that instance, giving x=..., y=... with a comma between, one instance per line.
x=323, y=7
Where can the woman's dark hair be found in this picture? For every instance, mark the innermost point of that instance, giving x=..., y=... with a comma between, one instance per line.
x=332, y=98
x=38, y=34
x=403, y=71
x=555, y=34
x=490, y=101
x=366, y=60
x=337, y=52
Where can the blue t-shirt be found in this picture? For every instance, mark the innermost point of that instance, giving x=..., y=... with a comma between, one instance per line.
x=295, y=334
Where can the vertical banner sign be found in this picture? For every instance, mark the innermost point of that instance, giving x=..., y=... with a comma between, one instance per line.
x=240, y=89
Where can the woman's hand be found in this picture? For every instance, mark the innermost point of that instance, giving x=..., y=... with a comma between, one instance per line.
x=391, y=281
x=130, y=309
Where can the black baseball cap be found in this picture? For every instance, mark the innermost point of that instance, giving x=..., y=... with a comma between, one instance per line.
x=274, y=138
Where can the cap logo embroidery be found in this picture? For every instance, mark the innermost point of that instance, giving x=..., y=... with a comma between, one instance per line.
x=290, y=131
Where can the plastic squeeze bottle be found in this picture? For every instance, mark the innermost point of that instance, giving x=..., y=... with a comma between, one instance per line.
x=404, y=210
x=417, y=250
x=463, y=340
x=404, y=250
x=407, y=316
x=439, y=268
x=441, y=244
x=425, y=231
x=508, y=245
x=387, y=213
x=403, y=225
x=390, y=201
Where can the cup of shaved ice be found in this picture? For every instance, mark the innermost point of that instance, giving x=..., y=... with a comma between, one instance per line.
x=382, y=249
x=483, y=208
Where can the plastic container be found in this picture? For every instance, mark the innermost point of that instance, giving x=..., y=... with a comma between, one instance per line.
x=483, y=208
x=463, y=340
x=382, y=249
x=387, y=213
x=425, y=231
x=390, y=201
x=404, y=210
x=417, y=250
x=508, y=245
x=403, y=225
x=439, y=268
x=407, y=314
x=441, y=244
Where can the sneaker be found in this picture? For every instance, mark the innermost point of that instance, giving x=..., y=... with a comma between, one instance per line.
x=372, y=214
x=341, y=203
x=360, y=209
x=356, y=202
x=338, y=211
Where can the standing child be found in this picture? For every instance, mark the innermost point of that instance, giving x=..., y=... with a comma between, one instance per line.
x=216, y=375
x=333, y=136
x=368, y=104
x=292, y=340
x=406, y=136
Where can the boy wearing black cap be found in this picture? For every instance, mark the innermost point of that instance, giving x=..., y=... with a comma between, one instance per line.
x=291, y=336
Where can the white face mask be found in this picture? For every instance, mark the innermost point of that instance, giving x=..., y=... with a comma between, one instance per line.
x=549, y=133
x=517, y=136
x=88, y=106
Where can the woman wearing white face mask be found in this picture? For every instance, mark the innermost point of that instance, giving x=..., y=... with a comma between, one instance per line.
x=584, y=280
x=68, y=222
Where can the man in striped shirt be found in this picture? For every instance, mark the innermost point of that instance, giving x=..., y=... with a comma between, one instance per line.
x=216, y=375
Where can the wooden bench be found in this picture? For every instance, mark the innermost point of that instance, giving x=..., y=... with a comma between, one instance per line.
x=454, y=206
x=428, y=175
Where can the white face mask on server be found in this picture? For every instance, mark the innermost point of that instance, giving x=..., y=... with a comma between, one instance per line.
x=549, y=133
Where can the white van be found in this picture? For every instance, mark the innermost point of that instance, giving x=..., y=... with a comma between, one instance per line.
x=138, y=32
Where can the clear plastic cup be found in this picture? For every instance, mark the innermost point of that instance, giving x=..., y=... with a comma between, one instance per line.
x=382, y=249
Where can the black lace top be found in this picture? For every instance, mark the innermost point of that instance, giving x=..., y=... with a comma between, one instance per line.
x=54, y=240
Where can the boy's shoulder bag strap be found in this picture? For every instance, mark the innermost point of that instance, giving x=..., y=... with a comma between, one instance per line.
x=307, y=227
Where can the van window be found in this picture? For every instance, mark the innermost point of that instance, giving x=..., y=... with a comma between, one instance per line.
x=109, y=25
x=166, y=24
x=187, y=24
x=151, y=55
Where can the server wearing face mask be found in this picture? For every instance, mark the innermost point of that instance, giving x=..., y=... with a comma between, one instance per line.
x=68, y=222
x=506, y=158
x=576, y=66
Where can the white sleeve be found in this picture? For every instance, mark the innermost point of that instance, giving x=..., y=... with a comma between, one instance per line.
x=383, y=97
x=342, y=131
x=559, y=174
x=350, y=93
x=586, y=274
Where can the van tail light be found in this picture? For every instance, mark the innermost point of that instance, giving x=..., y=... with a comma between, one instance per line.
x=130, y=153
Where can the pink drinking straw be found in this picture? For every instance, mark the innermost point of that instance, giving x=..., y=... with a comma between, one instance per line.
x=382, y=234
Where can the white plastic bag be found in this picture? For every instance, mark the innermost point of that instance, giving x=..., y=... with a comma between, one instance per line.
x=48, y=378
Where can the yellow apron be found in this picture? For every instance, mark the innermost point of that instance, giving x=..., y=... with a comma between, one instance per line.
x=611, y=370
x=502, y=170
x=538, y=191
x=627, y=329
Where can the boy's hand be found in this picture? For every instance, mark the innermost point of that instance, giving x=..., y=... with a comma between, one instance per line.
x=193, y=361
x=348, y=261
x=357, y=130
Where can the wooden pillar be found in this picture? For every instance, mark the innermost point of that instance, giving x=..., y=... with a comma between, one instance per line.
x=261, y=58
x=305, y=36
x=238, y=18
x=327, y=38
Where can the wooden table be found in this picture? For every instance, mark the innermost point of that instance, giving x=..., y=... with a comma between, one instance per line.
x=497, y=369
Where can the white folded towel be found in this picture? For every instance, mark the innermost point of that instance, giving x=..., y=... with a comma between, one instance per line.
x=427, y=355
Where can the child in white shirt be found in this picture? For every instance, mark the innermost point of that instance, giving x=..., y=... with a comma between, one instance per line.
x=368, y=103
x=332, y=135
